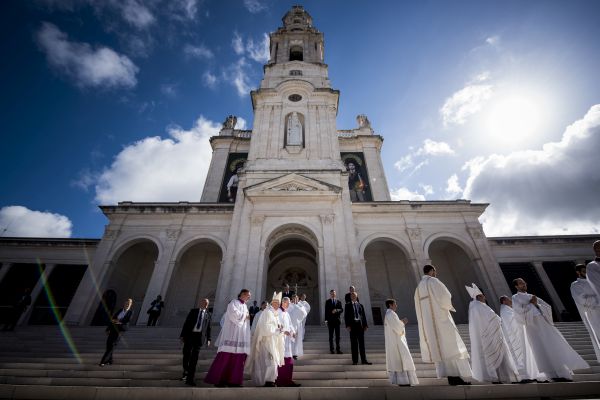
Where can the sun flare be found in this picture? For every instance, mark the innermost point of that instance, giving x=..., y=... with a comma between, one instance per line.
x=514, y=118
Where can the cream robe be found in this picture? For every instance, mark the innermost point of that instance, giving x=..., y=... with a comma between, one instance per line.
x=307, y=308
x=491, y=359
x=398, y=360
x=588, y=304
x=516, y=338
x=553, y=355
x=286, y=326
x=592, y=272
x=439, y=339
x=235, y=331
x=267, y=348
x=297, y=317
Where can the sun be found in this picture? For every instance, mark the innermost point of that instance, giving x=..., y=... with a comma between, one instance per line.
x=514, y=118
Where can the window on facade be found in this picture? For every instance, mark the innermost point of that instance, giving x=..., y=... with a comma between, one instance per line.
x=295, y=72
x=296, y=54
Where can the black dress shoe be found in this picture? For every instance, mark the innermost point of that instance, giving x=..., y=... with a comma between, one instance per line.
x=339, y=352
x=354, y=363
x=270, y=384
x=366, y=363
x=234, y=385
x=220, y=385
x=190, y=383
x=294, y=384
x=561, y=380
x=332, y=352
x=295, y=357
x=404, y=385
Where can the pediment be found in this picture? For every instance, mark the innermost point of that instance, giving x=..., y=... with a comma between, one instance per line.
x=292, y=184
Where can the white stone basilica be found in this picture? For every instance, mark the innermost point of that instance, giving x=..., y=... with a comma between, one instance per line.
x=294, y=200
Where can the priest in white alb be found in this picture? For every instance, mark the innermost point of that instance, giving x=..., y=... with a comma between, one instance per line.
x=297, y=316
x=439, y=339
x=491, y=359
x=285, y=372
x=306, y=306
x=516, y=338
x=593, y=269
x=398, y=360
x=267, y=348
x=588, y=304
x=553, y=355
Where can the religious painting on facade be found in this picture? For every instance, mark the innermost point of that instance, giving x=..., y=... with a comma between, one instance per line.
x=358, y=179
x=229, y=186
x=294, y=129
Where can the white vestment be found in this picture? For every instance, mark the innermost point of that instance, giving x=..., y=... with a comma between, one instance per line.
x=439, y=339
x=491, y=358
x=297, y=317
x=398, y=360
x=553, y=355
x=235, y=332
x=592, y=271
x=286, y=326
x=253, y=326
x=516, y=338
x=588, y=304
x=307, y=308
x=267, y=348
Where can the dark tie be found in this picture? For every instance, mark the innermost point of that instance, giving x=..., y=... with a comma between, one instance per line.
x=355, y=310
x=199, y=323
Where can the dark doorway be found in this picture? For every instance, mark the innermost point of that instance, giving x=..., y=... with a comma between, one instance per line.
x=562, y=274
x=16, y=280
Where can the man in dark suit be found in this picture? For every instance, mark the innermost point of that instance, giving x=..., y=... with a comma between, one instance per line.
x=195, y=333
x=347, y=299
x=287, y=292
x=253, y=310
x=118, y=324
x=356, y=323
x=333, y=310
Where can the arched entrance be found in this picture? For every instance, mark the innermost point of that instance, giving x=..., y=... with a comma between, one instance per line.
x=131, y=273
x=390, y=275
x=195, y=277
x=293, y=260
x=455, y=269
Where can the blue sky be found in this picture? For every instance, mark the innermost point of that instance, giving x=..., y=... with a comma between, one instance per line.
x=106, y=101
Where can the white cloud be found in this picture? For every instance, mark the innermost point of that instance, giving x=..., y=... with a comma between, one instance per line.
x=237, y=43
x=255, y=6
x=238, y=76
x=157, y=169
x=427, y=189
x=452, y=186
x=209, y=79
x=169, y=89
x=136, y=14
x=189, y=7
x=404, y=163
x=200, y=51
x=433, y=148
x=259, y=52
x=20, y=221
x=464, y=103
x=101, y=67
x=493, y=40
x=554, y=190
x=405, y=194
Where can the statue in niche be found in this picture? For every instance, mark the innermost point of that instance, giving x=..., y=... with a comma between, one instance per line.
x=356, y=183
x=294, y=130
x=363, y=121
x=230, y=122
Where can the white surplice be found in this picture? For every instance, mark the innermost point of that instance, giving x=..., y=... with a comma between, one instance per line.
x=516, y=338
x=491, y=359
x=235, y=331
x=297, y=317
x=588, y=304
x=307, y=308
x=267, y=348
x=286, y=326
x=553, y=355
x=398, y=360
x=592, y=271
x=439, y=339
x=253, y=326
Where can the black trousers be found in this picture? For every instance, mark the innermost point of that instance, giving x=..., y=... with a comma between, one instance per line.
x=152, y=318
x=357, y=342
x=332, y=326
x=111, y=342
x=191, y=349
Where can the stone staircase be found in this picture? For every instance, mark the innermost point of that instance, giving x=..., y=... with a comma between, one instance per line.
x=37, y=363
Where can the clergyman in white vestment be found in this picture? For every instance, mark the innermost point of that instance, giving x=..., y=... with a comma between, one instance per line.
x=588, y=304
x=267, y=348
x=516, y=337
x=491, y=359
x=553, y=355
x=439, y=339
x=297, y=316
x=593, y=269
x=398, y=360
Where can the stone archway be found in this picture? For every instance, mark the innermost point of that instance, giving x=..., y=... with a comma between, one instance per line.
x=294, y=261
x=195, y=277
x=455, y=269
x=390, y=275
x=130, y=274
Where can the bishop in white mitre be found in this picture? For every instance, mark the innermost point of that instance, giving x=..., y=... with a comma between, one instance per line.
x=588, y=304
x=593, y=269
x=398, y=360
x=267, y=349
x=516, y=338
x=439, y=339
x=298, y=316
x=491, y=359
x=553, y=355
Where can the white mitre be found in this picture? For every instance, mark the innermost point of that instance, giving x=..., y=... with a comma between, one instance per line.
x=277, y=297
x=473, y=291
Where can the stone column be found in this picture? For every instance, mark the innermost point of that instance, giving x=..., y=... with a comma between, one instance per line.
x=6, y=266
x=419, y=258
x=216, y=171
x=37, y=290
x=539, y=268
x=377, y=181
